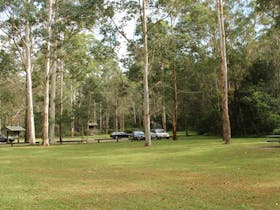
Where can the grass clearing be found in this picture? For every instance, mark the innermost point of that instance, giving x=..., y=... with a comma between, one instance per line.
x=192, y=173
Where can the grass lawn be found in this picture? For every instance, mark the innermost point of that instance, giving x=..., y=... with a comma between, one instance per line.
x=191, y=173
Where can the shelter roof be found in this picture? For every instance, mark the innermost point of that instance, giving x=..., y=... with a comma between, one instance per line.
x=14, y=128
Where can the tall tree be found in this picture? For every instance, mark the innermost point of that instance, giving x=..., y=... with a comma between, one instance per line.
x=45, y=131
x=53, y=75
x=148, y=141
x=30, y=127
x=18, y=27
x=224, y=79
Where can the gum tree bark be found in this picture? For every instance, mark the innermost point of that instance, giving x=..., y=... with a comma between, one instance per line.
x=175, y=105
x=53, y=79
x=45, y=131
x=224, y=79
x=30, y=127
x=148, y=141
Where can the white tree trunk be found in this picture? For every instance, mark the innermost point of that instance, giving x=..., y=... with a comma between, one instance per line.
x=72, y=92
x=100, y=118
x=45, y=126
x=61, y=102
x=148, y=141
x=30, y=127
x=53, y=81
x=224, y=79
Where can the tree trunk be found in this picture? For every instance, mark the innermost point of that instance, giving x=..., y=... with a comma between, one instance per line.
x=175, y=105
x=100, y=118
x=53, y=80
x=116, y=116
x=164, y=125
x=224, y=80
x=134, y=113
x=45, y=131
x=107, y=122
x=61, y=104
x=72, y=105
x=30, y=127
x=52, y=103
x=122, y=121
x=148, y=141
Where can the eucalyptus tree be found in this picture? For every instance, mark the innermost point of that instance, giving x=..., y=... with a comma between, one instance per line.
x=45, y=123
x=12, y=87
x=147, y=123
x=53, y=73
x=138, y=10
x=71, y=18
x=224, y=78
x=18, y=24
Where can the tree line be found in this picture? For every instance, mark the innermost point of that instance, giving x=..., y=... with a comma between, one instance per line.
x=58, y=75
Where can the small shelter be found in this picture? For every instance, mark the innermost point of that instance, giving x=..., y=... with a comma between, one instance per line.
x=92, y=128
x=13, y=132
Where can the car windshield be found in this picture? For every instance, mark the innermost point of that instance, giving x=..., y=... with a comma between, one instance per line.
x=139, y=133
x=160, y=131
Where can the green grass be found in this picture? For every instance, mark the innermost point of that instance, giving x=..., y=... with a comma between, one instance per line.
x=192, y=173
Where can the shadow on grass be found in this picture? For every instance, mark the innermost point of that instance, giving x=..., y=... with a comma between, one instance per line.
x=271, y=147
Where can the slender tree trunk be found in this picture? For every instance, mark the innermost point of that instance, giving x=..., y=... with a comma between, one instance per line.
x=134, y=113
x=45, y=131
x=94, y=111
x=61, y=104
x=100, y=117
x=175, y=105
x=164, y=125
x=148, y=141
x=30, y=127
x=224, y=79
x=52, y=103
x=53, y=80
x=122, y=120
x=116, y=116
x=72, y=108
x=107, y=122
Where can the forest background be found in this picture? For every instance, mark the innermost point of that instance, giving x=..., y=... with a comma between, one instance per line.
x=89, y=88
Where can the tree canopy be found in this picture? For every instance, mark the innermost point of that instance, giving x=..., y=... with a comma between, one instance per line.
x=95, y=83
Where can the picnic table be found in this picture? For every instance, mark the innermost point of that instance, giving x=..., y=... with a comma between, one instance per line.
x=107, y=139
x=73, y=141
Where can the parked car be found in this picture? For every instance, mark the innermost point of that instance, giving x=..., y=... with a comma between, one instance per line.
x=137, y=135
x=161, y=133
x=4, y=138
x=119, y=135
x=153, y=135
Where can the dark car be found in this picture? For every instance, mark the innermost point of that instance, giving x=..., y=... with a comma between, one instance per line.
x=137, y=135
x=119, y=135
x=4, y=139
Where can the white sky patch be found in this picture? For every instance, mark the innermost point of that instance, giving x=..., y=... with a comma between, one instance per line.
x=128, y=30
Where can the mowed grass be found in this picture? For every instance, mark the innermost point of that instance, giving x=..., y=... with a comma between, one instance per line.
x=191, y=173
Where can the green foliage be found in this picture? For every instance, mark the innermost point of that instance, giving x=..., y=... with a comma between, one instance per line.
x=254, y=108
x=272, y=7
x=276, y=131
x=7, y=64
x=182, y=36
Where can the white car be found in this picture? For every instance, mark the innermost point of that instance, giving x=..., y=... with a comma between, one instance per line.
x=161, y=133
